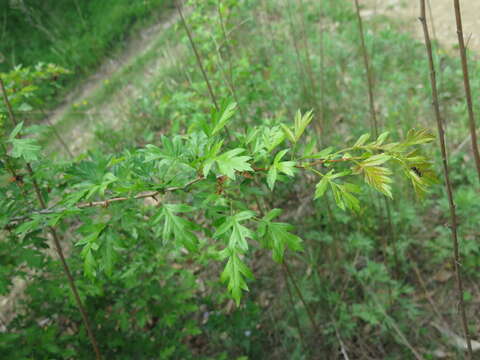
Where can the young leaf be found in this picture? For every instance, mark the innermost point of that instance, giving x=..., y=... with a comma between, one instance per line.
x=376, y=175
x=226, y=115
x=301, y=123
x=288, y=133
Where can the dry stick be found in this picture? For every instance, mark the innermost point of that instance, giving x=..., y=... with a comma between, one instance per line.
x=295, y=315
x=340, y=341
x=466, y=82
x=430, y=13
x=373, y=119
x=197, y=56
x=229, y=57
x=309, y=70
x=55, y=237
x=295, y=46
x=448, y=185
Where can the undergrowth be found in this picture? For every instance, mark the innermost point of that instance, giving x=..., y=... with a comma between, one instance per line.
x=153, y=265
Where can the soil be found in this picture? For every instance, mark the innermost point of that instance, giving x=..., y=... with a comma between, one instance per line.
x=442, y=13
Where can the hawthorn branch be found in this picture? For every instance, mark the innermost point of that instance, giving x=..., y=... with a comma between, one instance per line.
x=152, y=194
x=105, y=203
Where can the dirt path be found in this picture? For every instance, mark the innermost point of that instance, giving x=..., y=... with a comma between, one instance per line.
x=442, y=12
x=111, y=110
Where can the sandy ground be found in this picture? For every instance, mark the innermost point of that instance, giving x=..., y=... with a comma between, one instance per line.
x=442, y=13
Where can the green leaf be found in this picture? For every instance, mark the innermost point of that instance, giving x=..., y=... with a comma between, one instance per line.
x=90, y=244
x=362, y=140
x=239, y=233
x=321, y=187
x=288, y=133
x=178, y=227
x=276, y=236
x=235, y=273
x=26, y=148
x=342, y=193
x=272, y=176
x=15, y=131
x=381, y=138
x=285, y=167
x=228, y=163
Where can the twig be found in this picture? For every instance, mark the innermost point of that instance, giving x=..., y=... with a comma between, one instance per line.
x=197, y=56
x=448, y=185
x=466, y=82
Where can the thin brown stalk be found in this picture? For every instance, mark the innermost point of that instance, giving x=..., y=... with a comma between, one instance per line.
x=326, y=126
x=55, y=237
x=58, y=136
x=373, y=119
x=466, y=82
x=197, y=57
x=296, y=46
x=448, y=185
